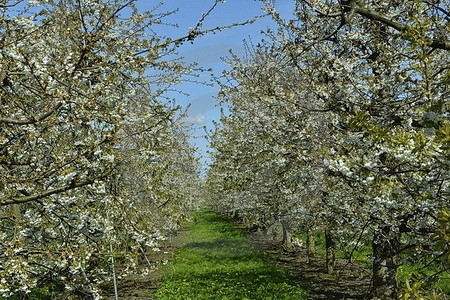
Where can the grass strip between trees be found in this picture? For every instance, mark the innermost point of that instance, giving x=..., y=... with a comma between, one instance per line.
x=219, y=263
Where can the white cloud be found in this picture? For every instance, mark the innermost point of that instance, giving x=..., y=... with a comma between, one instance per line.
x=197, y=119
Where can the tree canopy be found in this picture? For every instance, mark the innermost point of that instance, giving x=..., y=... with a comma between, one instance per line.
x=94, y=162
x=340, y=115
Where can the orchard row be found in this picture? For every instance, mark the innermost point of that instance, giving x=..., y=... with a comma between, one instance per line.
x=94, y=164
x=339, y=122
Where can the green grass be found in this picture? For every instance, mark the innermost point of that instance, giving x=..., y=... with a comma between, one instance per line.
x=219, y=263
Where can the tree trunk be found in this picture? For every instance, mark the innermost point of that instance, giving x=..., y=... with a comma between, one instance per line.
x=310, y=245
x=330, y=245
x=287, y=240
x=273, y=231
x=265, y=230
x=235, y=215
x=385, y=246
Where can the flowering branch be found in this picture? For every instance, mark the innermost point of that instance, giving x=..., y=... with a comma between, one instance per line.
x=32, y=119
x=376, y=16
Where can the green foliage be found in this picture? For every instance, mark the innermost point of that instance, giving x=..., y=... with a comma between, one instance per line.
x=219, y=263
x=419, y=278
x=442, y=235
x=415, y=291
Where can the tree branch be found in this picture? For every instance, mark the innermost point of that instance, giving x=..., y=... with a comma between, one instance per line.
x=31, y=198
x=193, y=34
x=33, y=119
x=376, y=16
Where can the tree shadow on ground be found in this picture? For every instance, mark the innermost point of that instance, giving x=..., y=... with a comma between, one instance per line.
x=351, y=283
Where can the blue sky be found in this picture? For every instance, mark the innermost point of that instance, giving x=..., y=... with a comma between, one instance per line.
x=208, y=50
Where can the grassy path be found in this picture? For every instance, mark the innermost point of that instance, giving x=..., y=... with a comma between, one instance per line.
x=219, y=263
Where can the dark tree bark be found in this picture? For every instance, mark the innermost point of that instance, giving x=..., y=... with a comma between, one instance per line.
x=287, y=238
x=385, y=246
x=330, y=245
x=310, y=245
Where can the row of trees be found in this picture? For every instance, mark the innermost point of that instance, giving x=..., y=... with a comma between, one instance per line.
x=93, y=164
x=339, y=122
